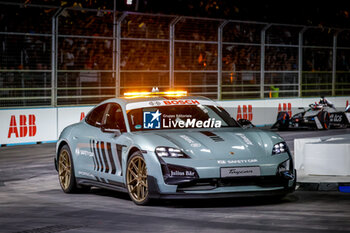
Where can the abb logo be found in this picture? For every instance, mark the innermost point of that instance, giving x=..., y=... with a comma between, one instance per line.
x=286, y=108
x=246, y=112
x=26, y=126
x=82, y=115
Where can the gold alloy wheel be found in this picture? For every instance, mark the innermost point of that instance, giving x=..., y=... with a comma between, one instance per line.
x=64, y=169
x=137, y=179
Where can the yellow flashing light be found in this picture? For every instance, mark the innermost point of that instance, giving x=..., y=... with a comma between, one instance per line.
x=156, y=93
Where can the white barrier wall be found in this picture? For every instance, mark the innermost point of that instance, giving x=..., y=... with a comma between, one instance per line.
x=46, y=124
x=28, y=125
x=70, y=115
x=264, y=112
x=327, y=155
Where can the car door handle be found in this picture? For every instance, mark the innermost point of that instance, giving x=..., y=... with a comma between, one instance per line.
x=75, y=138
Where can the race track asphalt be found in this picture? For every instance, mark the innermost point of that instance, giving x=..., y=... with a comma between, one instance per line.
x=31, y=201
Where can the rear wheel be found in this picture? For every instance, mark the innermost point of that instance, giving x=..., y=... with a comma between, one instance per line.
x=136, y=179
x=324, y=118
x=66, y=175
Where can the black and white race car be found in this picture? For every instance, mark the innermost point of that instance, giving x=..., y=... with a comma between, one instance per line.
x=322, y=115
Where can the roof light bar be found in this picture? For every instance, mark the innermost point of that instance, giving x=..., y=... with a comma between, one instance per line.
x=156, y=93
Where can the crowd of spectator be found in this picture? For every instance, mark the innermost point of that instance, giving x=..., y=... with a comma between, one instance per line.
x=144, y=55
x=298, y=12
x=85, y=42
x=281, y=58
x=240, y=58
x=85, y=54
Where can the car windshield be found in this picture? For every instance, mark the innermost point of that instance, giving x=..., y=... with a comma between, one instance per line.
x=179, y=117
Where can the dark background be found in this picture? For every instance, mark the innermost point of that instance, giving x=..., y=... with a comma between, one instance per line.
x=307, y=12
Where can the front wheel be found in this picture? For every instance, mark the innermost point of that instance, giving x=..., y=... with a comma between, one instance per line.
x=283, y=119
x=66, y=175
x=136, y=179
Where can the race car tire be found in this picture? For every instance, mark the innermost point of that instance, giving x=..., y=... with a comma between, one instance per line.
x=324, y=119
x=283, y=120
x=66, y=175
x=136, y=179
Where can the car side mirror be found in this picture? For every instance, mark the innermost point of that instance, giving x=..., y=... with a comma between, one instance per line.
x=246, y=123
x=116, y=132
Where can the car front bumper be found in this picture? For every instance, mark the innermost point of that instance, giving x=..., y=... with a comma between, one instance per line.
x=202, y=178
x=217, y=191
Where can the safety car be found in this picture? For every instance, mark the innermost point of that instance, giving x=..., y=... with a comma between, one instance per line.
x=167, y=145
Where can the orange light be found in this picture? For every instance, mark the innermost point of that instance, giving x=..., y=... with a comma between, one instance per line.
x=153, y=94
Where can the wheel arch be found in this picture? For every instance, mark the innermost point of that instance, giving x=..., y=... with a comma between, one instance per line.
x=132, y=150
x=59, y=147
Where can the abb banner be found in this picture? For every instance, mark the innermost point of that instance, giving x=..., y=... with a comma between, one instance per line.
x=70, y=115
x=28, y=125
x=264, y=112
x=287, y=107
x=245, y=112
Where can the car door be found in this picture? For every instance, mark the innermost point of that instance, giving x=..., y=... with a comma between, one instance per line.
x=111, y=145
x=88, y=160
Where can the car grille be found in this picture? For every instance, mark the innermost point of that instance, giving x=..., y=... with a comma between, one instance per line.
x=208, y=184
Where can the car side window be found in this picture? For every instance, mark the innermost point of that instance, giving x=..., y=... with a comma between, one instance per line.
x=114, y=118
x=95, y=117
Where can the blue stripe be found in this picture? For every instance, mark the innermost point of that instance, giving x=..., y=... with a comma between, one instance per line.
x=263, y=125
x=53, y=141
x=26, y=143
x=17, y=144
x=344, y=189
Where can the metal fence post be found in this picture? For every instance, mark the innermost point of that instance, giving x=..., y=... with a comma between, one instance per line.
x=119, y=52
x=114, y=55
x=172, y=51
x=334, y=61
x=262, y=62
x=220, y=29
x=54, y=53
x=53, y=58
x=300, y=60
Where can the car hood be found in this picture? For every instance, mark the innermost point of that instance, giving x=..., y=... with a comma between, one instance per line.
x=216, y=144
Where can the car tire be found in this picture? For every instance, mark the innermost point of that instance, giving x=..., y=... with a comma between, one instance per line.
x=283, y=118
x=324, y=119
x=136, y=179
x=66, y=175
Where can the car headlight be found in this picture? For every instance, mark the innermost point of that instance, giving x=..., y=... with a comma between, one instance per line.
x=279, y=148
x=170, y=152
